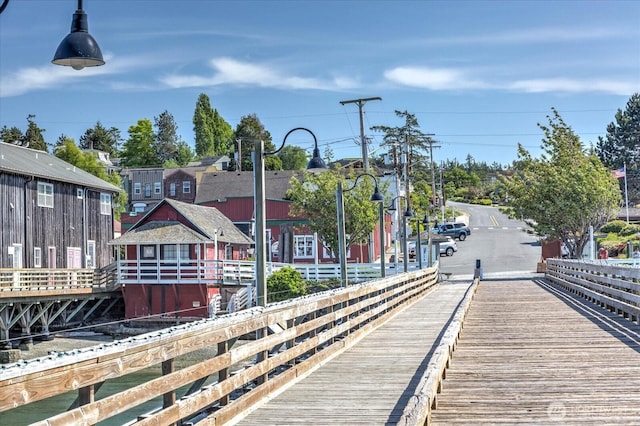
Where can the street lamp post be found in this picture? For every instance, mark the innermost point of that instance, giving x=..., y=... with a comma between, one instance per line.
x=377, y=197
x=407, y=214
x=315, y=163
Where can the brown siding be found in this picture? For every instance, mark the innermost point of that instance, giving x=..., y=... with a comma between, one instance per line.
x=60, y=227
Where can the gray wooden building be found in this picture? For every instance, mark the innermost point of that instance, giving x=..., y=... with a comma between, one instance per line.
x=53, y=214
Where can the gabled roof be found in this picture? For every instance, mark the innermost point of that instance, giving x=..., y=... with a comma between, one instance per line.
x=30, y=162
x=161, y=233
x=220, y=186
x=206, y=222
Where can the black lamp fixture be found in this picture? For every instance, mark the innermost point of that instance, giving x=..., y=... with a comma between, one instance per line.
x=425, y=220
x=78, y=49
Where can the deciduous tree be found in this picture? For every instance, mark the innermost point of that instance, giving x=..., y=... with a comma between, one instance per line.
x=138, y=150
x=314, y=197
x=566, y=190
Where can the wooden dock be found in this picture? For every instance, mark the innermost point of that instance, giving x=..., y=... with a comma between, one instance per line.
x=532, y=354
x=371, y=383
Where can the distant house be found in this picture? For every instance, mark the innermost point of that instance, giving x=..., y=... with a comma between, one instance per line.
x=169, y=262
x=144, y=187
x=54, y=215
x=180, y=184
x=217, y=163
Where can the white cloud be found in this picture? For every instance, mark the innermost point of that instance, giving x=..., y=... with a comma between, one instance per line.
x=234, y=72
x=437, y=79
x=434, y=78
x=48, y=76
x=614, y=87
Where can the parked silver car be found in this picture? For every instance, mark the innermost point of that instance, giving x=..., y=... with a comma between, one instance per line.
x=448, y=247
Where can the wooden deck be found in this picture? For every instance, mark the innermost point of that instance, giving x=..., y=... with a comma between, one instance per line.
x=531, y=354
x=371, y=383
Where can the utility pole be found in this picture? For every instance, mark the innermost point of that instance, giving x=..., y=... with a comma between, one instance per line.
x=365, y=157
x=363, y=140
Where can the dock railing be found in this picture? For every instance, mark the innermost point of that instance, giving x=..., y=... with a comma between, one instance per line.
x=287, y=341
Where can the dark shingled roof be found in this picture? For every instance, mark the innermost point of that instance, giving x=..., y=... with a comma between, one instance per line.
x=161, y=233
x=30, y=162
x=219, y=186
x=206, y=221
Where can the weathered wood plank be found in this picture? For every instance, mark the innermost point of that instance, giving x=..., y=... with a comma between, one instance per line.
x=541, y=357
x=371, y=382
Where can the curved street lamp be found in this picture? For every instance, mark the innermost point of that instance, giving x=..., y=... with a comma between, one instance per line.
x=78, y=49
x=316, y=163
x=377, y=197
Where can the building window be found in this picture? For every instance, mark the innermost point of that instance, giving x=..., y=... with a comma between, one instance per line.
x=172, y=190
x=79, y=193
x=37, y=257
x=147, y=190
x=303, y=246
x=156, y=188
x=45, y=194
x=169, y=251
x=186, y=187
x=148, y=252
x=91, y=254
x=105, y=204
x=137, y=188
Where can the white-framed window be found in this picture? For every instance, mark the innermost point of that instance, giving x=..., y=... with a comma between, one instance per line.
x=79, y=193
x=186, y=187
x=157, y=188
x=37, y=257
x=45, y=194
x=172, y=189
x=147, y=190
x=303, y=246
x=170, y=251
x=91, y=254
x=105, y=204
x=148, y=252
x=137, y=188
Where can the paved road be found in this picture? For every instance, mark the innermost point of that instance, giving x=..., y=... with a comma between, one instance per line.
x=502, y=245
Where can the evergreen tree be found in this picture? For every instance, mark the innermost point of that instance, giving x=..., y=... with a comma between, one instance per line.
x=213, y=135
x=102, y=139
x=621, y=145
x=166, y=142
x=33, y=136
x=12, y=135
x=248, y=131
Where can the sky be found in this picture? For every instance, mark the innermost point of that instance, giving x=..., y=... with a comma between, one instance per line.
x=478, y=75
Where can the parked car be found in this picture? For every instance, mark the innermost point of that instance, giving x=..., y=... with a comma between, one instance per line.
x=448, y=247
x=454, y=230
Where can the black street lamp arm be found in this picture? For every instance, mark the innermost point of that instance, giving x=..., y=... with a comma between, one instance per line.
x=316, y=161
x=377, y=196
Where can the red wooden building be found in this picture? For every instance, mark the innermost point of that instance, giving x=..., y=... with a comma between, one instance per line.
x=290, y=240
x=169, y=262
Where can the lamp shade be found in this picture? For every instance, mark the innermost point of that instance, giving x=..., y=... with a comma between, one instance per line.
x=78, y=49
x=316, y=162
x=377, y=196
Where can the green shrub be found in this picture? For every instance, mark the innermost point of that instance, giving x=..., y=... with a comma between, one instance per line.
x=614, y=226
x=284, y=284
x=630, y=229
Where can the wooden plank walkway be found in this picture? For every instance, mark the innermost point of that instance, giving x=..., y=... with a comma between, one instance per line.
x=370, y=383
x=532, y=354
